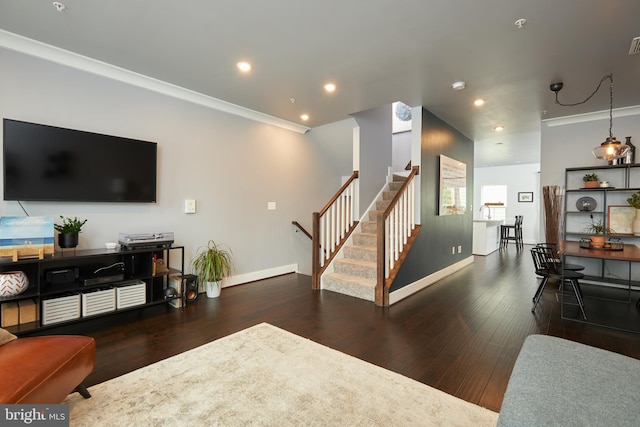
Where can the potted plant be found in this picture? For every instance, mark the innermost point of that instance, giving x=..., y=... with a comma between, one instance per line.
x=68, y=231
x=634, y=201
x=590, y=180
x=599, y=232
x=211, y=265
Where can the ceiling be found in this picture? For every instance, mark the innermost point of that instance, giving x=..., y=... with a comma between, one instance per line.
x=375, y=51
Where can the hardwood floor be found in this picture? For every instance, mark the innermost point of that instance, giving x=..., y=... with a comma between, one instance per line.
x=460, y=335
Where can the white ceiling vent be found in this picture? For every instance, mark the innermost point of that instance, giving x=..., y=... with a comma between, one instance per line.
x=635, y=46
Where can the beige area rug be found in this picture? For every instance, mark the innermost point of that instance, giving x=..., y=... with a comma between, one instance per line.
x=265, y=376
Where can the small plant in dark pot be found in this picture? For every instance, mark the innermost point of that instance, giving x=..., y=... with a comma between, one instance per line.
x=68, y=231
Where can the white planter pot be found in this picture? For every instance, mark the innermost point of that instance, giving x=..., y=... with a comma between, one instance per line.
x=212, y=289
x=636, y=223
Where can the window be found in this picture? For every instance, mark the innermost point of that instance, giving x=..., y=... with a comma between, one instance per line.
x=496, y=197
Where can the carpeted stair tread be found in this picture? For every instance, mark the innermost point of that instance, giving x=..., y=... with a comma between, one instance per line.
x=365, y=239
x=359, y=281
x=364, y=253
x=350, y=285
x=388, y=194
x=368, y=227
x=356, y=267
x=395, y=185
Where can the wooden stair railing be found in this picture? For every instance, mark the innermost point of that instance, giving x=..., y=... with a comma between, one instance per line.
x=331, y=228
x=396, y=232
x=301, y=228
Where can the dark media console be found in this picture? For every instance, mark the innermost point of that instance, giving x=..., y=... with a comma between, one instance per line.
x=85, y=284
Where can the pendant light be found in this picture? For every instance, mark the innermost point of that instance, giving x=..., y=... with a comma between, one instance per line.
x=611, y=149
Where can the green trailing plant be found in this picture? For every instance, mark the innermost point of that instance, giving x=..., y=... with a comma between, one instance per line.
x=69, y=225
x=590, y=177
x=212, y=263
x=634, y=200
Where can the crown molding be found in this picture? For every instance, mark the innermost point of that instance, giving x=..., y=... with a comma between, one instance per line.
x=61, y=56
x=596, y=115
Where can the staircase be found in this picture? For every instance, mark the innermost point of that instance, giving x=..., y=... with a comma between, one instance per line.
x=355, y=273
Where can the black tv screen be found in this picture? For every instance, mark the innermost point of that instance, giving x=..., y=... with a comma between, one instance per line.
x=47, y=163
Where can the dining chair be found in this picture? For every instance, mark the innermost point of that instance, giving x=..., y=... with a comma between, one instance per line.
x=552, y=248
x=550, y=268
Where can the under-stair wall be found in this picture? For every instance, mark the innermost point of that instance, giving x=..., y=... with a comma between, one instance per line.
x=431, y=254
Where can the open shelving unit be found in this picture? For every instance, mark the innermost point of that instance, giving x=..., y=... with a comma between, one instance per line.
x=76, y=285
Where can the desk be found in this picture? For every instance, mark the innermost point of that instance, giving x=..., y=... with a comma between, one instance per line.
x=630, y=254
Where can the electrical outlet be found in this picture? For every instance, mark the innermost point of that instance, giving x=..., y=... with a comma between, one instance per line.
x=271, y=206
x=459, y=249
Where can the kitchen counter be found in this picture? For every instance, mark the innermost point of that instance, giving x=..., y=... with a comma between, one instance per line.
x=486, y=236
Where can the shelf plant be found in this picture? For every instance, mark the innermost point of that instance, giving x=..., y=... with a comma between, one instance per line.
x=634, y=201
x=598, y=231
x=211, y=265
x=69, y=230
x=590, y=180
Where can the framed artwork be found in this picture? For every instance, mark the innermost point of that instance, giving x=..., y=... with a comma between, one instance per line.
x=26, y=236
x=453, y=187
x=526, y=197
x=620, y=219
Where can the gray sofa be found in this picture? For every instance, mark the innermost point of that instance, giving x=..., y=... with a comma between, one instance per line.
x=556, y=382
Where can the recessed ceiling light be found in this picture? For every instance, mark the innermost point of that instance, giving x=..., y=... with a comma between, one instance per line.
x=478, y=102
x=330, y=87
x=304, y=117
x=498, y=128
x=459, y=85
x=243, y=66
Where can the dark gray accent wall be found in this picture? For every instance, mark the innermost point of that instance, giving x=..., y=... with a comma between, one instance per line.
x=375, y=152
x=431, y=251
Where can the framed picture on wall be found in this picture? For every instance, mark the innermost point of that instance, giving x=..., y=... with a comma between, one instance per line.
x=620, y=219
x=526, y=197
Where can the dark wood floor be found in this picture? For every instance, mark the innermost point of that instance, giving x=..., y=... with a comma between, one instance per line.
x=460, y=335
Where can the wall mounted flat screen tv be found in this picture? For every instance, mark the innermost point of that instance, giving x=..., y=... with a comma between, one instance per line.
x=46, y=163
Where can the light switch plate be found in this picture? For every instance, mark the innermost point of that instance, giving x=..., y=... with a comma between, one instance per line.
x=271, y=206
x=190, y=206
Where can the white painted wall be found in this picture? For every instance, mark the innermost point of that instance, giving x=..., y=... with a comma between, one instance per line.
x=231, y=165
x=517, y=178
x=570, y=144
x=567, y=142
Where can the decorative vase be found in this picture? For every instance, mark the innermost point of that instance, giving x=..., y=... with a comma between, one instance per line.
x=636, y=223
x=13, y=283
x=68, y=240
x=212, y=289
x=597, y=241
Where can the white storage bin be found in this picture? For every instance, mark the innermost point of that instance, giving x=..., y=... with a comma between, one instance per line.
x=60, y=309
x=98, y=301
x=132, y=294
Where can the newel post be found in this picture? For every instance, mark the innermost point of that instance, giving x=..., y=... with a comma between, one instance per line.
x=315, y=251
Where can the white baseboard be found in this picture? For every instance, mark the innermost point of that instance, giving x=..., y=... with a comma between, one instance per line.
x=259, y=275
x=418, y=285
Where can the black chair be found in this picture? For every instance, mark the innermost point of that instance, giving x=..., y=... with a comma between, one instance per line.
x=552, y=248
x=506, y=236
x=550, y=268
